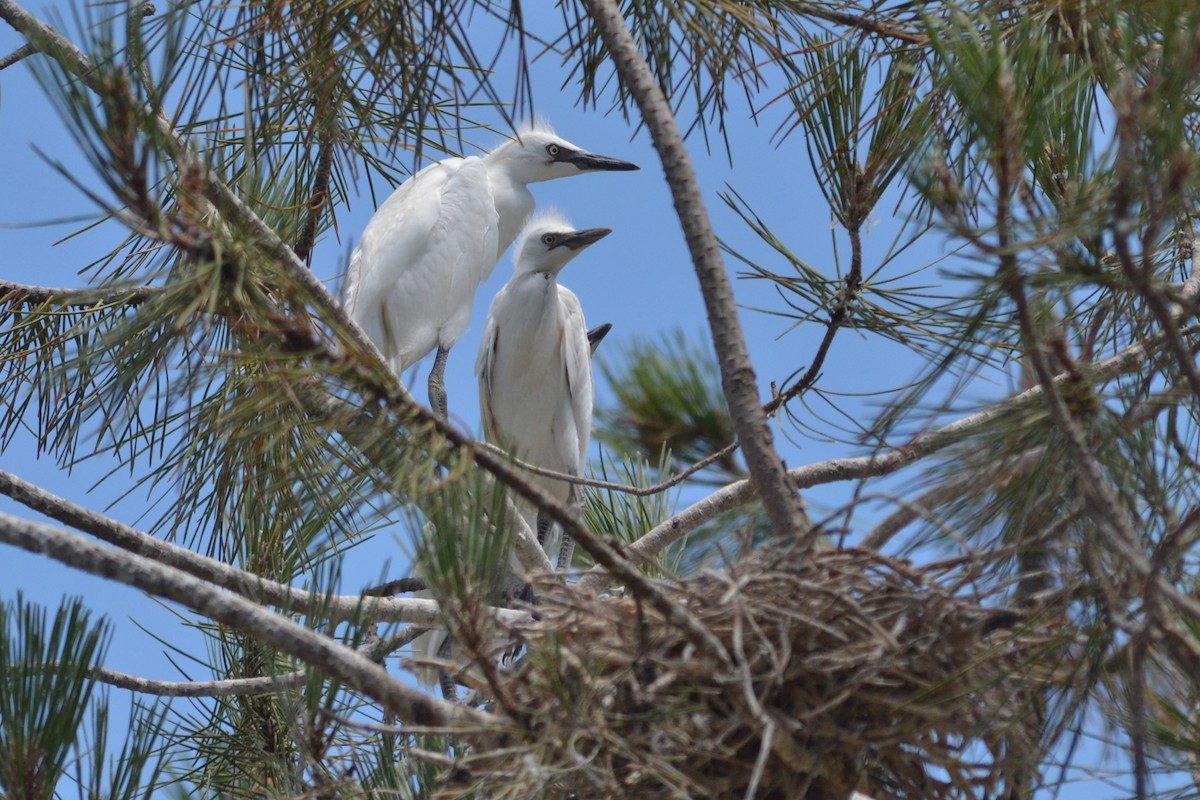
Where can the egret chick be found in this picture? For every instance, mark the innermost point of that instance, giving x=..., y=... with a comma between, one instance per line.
x=413, y=276
x=534, y=365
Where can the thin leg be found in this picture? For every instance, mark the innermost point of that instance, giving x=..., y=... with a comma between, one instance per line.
x=449, y=690
x=437, y=384
x=567, y=548
x=543, y=527
x=565, y=551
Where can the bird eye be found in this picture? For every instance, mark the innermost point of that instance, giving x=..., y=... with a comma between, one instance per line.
x=552, y=149
x=549, y=239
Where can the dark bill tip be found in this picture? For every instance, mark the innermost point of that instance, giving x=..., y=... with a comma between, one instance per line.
x=592, y=161
x=581, y=239
x=596, y=335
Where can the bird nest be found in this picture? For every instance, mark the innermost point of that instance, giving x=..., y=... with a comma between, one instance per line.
x=844, y=672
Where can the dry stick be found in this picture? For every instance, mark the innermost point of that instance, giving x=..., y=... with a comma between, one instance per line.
x=220, y=574
x=319, y=197
x=229, y=204
x=780, y=500
x=338, y=661
x=842, y=469
x=238, y=687
x=862, y=23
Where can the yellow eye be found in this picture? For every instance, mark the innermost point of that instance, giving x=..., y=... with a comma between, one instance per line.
x=549, y=239
x=552, y=149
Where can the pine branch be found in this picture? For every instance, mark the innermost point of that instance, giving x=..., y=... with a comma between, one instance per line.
x=231, y=206
x=783, y=505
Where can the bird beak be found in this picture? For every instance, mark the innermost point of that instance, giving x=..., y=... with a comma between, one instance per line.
x=590, y=162
x=596, y=335
x=577, y=240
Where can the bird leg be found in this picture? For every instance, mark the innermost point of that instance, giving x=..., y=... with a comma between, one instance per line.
x=449, y=690
x=437, y=384
x=567, y=548
x=544, y=522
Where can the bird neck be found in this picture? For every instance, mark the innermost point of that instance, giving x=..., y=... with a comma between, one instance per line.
x=514, y=203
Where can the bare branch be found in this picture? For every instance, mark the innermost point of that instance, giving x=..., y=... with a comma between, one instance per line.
x=21, y=53
x=783, y=505
x=234, y=687
x=13, y=292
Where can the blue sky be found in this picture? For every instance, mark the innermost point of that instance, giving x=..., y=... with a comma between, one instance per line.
x=640, y=278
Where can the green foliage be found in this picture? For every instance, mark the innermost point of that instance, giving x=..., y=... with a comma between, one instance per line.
x=45, y=687
x=137, y=770
x=668, y=397
x=627, y=516
x=466, y=537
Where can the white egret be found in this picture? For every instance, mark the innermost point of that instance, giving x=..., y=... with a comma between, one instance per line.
x=534, y=365
x=437, y=643
x=413, y=276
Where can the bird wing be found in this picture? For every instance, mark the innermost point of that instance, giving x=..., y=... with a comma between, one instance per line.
x=576, y=356
x=464, y=243
x=483, y=369
x=412, y=278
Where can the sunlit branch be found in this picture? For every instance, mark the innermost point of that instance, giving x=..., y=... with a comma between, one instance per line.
x=233, y=687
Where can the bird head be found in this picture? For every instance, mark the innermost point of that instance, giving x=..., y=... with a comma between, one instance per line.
x=539, y=154
x=549, y=242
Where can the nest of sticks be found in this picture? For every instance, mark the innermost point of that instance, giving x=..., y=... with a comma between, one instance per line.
x=847, y=671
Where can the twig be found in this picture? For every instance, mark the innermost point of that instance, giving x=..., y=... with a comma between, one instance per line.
x=862, y=23
x=780, y=500
x=11, y=291
x=238, y=687
x=318, y=199
x=841, y=308
x=234, y=687
x=21, y=53
x=340, y=662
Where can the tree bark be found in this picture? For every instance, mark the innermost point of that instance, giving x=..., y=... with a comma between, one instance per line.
x=779, y=497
